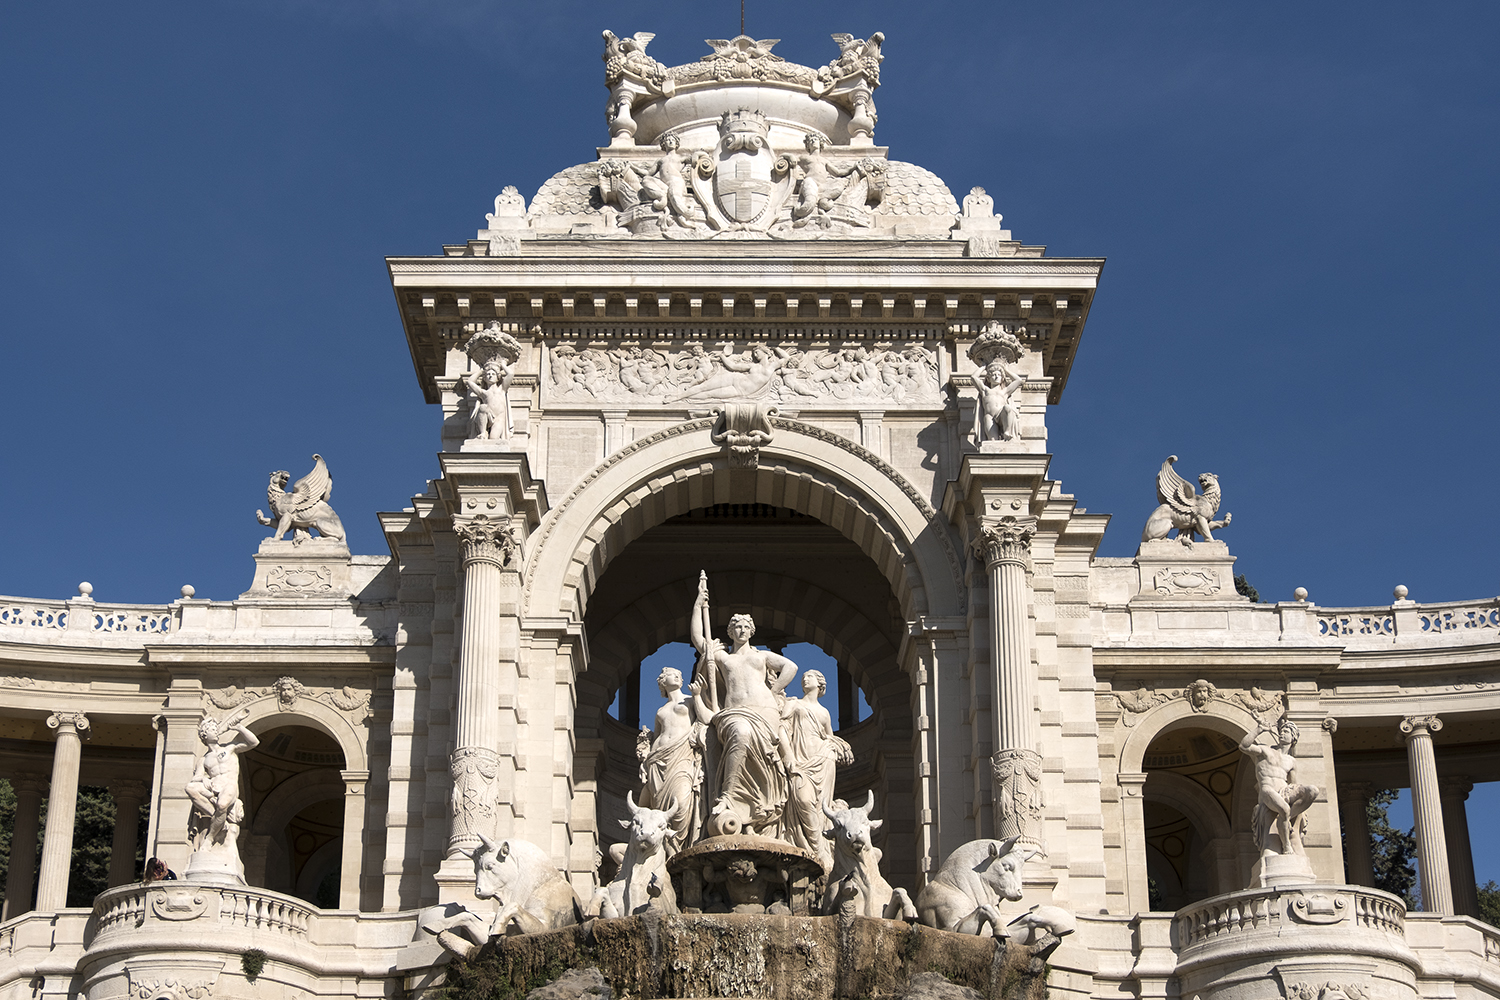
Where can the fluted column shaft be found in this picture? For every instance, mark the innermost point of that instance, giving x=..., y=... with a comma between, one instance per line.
x=1017, y=764
x=1453, y=792
x=62, y=808
x=487, y=546
x=1354, y=798
x=128, y=796
x=21, y=878
x=1427, y=810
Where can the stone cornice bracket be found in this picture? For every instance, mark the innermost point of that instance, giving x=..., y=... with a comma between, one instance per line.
x=69, y=722
x=1421, y=725
x=1006, y=540
x=743, y=428
x=486, y=539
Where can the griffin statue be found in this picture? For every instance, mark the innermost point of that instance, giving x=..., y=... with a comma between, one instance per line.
x=1182, y=508
x=305, y=507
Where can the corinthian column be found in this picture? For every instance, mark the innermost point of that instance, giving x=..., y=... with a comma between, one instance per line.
x=1427, y=810
x=1017, y=776
x=62, y=807
x=488, y=546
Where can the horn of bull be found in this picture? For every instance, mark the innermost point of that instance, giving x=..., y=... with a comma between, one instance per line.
x=869, y=803
x=490, y=846
x=829, y=813
x=635, y=810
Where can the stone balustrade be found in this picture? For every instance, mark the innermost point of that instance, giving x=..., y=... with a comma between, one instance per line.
x=1406, y=623
x=141, y=915
x=60, y=621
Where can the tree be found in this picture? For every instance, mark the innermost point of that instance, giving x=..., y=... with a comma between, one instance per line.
x=1489, y=903
x=1393, y=851
x=1244, y=589
x=93, y=840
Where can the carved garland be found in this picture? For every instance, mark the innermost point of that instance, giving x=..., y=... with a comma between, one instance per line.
x=1200, y=695
x=288, y=691
x=706, y=423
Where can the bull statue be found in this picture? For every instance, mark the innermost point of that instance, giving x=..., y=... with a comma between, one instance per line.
x=966, y=893
x=856, y=881
x=642, y=882
x=532, y=893
x=1042, y=926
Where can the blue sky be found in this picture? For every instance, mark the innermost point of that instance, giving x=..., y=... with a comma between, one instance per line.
x=1297, y=201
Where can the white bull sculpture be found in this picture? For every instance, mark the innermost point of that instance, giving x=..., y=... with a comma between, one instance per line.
x=856, y=880
x=532, y=893
x=966, y=893
x=642, y=882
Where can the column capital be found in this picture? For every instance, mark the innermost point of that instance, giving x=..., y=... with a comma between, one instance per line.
x=75, y=723
x=29, y=783
x=126, y=788
x=1456, y=786
x=486, y=539
x=1006, y=539
x=1420, y=725
x=1347, y=789
x=354, y=781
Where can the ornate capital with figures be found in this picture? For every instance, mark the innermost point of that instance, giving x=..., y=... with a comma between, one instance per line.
x=486, y=539
x=1421, y=725
x=69, y=722
x=1006, y=540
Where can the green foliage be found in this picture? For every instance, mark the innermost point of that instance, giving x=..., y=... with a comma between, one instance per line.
x=1489, y=903
x=93, y=840
x=251, y=962
x=1393, y=851
x=7, y=824
x=1244, y=589
x=492, y=975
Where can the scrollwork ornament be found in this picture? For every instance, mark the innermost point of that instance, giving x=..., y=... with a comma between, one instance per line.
x=1007, y=540
x=76, y=721
x=1421, y=725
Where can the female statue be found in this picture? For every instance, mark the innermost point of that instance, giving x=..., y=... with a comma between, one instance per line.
x=811, y=752
x=672, y=763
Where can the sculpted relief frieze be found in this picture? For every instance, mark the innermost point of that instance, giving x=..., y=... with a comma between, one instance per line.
x=1200, y=696
x=287, y=692
x=694, y=375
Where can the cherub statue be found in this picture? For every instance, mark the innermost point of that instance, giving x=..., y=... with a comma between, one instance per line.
x=997, y=418
x=1184, y=509
x=305, y=507
x=489, y=401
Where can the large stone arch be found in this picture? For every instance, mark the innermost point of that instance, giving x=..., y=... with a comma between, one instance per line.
x=804, y=468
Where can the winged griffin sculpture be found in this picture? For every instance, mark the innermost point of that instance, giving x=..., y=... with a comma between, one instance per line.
x=305, y=507
x=1182, y=508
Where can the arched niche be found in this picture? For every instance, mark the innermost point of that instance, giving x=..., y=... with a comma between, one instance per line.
x=294, y=787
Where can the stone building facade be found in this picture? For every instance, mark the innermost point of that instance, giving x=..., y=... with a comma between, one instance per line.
x=744, y=340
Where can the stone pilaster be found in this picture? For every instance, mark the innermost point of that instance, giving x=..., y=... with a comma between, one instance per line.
x=1005, y=543
x=62, y=808
x=351, y=866
x=487, y=545
x=23, y=840
x=1426, y=807
x=1354, y=797
x=1454, y=792
x=128, y=796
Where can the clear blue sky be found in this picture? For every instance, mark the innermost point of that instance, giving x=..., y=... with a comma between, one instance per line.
x=1298, y=203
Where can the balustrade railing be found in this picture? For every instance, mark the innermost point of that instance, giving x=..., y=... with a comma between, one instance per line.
x=1272, y=913
x=208, y=912
x=1474, y=621
x=48, y=617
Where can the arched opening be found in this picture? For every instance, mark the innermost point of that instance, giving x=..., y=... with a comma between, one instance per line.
x=295, y=815
x=1190, y=802
x=816, y=597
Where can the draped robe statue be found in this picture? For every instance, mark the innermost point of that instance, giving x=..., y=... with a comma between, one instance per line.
x=672, y=764
x=739, y=692
x=811, y=752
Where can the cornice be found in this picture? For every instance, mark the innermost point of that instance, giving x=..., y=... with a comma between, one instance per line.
x=268, y=656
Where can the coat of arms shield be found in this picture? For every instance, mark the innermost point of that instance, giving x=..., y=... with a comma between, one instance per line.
x=743, y=182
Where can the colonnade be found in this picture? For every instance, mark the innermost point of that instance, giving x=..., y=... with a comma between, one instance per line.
x=49, y=881
x=1445, y=857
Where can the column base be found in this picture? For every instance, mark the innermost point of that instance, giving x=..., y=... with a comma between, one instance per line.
x=1280, y=870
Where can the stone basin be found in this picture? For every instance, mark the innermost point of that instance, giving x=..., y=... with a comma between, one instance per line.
x=744, y=873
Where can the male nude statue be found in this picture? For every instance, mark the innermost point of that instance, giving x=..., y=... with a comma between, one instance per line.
x=1279, y=799
x=215, y=785
x=739, y=691
x=489, y=417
